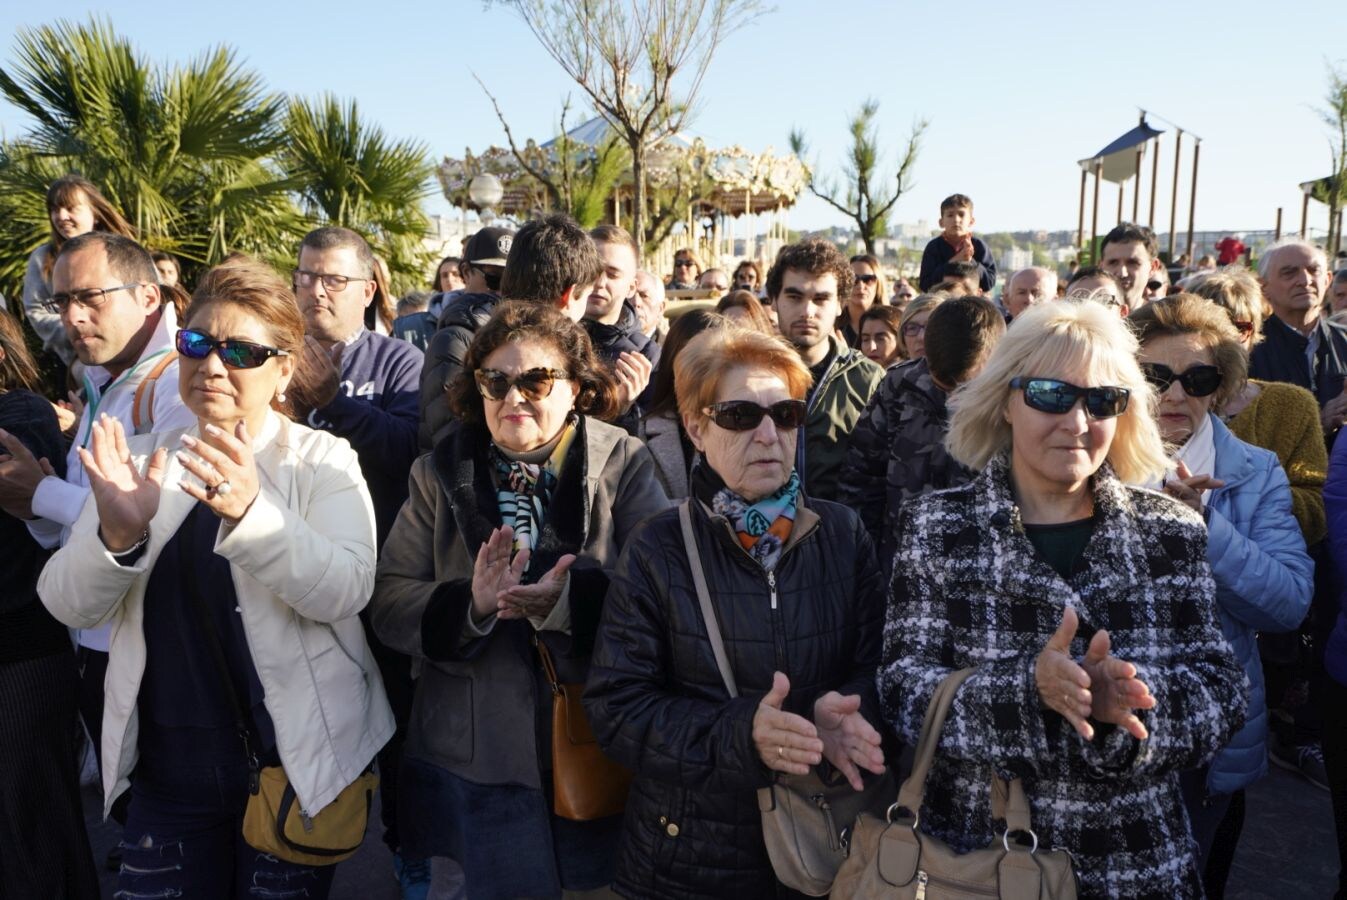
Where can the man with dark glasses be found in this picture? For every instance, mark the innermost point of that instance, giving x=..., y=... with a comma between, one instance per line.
x=369, y=393
x=806, y=284
x=1131, y=254
x=105, y=289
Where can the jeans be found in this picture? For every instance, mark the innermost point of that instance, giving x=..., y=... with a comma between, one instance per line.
x=184, y=838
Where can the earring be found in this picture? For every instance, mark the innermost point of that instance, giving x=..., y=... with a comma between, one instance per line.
x=280, y=396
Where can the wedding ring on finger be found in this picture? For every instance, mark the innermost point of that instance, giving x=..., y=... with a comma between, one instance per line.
x=220, y=489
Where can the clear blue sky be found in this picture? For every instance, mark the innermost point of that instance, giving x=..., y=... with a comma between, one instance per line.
x=1016, y=92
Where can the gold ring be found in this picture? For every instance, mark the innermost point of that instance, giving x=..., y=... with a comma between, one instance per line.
x=781, y=752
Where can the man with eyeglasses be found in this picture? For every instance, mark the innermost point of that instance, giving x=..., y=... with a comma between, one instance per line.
x=1131, y=254
x=105, y=290
x=367, y=390
x=686, y=271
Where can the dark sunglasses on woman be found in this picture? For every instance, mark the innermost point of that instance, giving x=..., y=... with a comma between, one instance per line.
x=745, y=415
x=534, y=384
x=234, y=354
x=1197, y=381
x=1059, y=397
x=867, y=279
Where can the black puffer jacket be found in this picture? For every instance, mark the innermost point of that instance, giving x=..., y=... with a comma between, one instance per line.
x=625, y=336
x=444, y=358
x=658, y=705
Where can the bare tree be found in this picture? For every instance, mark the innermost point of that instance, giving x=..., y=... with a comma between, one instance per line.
x=1334, y=115
x=628, y=54
x=861, y=198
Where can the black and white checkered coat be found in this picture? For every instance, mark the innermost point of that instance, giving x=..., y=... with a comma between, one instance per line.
x=969, y=590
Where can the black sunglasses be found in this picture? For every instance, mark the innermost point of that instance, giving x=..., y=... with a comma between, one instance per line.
x=1197, y=381
x=867, y=279
x=535, y=384
x=1058, y=397
x=745, y=415
x=234, y=354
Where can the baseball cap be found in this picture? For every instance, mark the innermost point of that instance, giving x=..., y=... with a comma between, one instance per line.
x=488, y=247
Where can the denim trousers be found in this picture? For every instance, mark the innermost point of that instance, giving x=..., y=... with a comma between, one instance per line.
x=184, y=838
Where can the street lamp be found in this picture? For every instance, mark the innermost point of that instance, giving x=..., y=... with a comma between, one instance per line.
x=485, y=191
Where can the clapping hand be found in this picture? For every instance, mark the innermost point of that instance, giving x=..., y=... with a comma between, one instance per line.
x=785, y=742
x=1187, y=488
x=633, y=374
x=496, y=580
x=1101, y=686
x=126, y=499
x=20, y=474
x=849, y=741
x=226, y=467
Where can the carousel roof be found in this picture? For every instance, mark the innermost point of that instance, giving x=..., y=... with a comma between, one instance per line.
x=729, y=181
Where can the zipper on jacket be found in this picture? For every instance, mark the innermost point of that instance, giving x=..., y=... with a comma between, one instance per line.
x=921, y=885
x=771, y=583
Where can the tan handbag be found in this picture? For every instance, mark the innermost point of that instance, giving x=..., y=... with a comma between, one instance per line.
x=273, y=822
x=806, y=822
x=891, y=858
x=585, y=784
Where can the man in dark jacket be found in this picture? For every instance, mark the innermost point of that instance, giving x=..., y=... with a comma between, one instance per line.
x=805, y=284
x=613, y=324
x=1301, y=346
x=898, y=448
x=483, y=266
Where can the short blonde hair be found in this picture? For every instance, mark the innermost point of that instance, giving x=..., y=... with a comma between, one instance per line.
x=1237, y=290
x=1189, y=314
x=708, y=356
x=1044, y=339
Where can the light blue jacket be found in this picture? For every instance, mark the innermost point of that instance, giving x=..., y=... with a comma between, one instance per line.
x=1264, y=580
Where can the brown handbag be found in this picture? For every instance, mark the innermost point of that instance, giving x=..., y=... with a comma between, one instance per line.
x=891, y=858
x=585, y=784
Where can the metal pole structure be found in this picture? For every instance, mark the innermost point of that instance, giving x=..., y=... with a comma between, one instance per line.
x=1174, y=199
x=1120, y=203
x=1080, y=221
x=1136, y=192
x=1304, y=215
x=1094, y=220
x=1278, y=236
x=1155, y=178
x=1192, y=198
x=1337, y=239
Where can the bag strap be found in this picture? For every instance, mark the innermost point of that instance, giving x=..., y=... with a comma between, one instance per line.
x=549, y=670
x=142, y=407
x=242, y=721
x=1008, y=798
x=704, y=598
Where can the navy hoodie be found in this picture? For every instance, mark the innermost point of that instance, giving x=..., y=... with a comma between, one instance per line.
x=377, y=409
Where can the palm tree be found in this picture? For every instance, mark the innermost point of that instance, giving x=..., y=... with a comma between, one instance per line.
x=348, y=173
x=184, y=151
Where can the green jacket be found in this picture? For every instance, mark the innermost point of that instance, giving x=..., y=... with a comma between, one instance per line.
x=835, y=406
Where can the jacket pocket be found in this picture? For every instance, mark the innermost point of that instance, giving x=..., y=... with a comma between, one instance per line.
x=442, y=716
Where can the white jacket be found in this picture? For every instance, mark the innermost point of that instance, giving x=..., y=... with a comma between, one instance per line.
x=302, y=559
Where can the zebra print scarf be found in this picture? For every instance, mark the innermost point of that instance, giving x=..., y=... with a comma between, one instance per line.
x=524, y=489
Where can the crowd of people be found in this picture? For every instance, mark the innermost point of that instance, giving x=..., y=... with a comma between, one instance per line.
x=574, y=573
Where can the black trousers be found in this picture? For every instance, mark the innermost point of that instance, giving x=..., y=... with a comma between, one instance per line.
x=44, y=848
x=1333, y=705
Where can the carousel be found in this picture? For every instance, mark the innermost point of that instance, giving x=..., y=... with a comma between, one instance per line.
x=725, y=204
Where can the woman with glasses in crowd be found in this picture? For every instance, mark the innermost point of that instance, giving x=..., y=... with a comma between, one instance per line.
x=686, y=271
x=867, y=290
x=1274, y=415
x=798, y=598
x=912, y=326
x=1085, y=605
x=74, y=207
x=747, y=276
x=513, y=523
x=1192, y=356
x=241, y=548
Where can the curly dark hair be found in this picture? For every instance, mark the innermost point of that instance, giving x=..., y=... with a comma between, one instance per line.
x=815, y=256
x=520, y=321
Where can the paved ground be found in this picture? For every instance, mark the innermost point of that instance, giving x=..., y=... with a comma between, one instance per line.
x=1287, y=851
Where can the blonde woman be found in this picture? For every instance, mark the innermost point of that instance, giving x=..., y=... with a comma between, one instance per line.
x=1086, y=606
